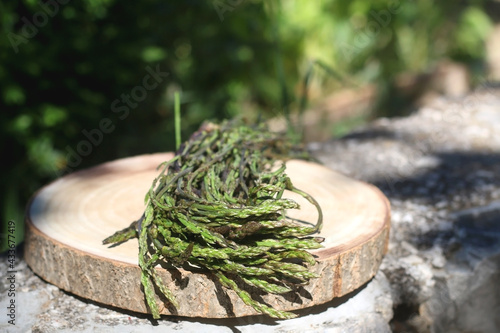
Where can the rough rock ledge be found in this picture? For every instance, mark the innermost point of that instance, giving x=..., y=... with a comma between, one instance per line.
x=440, y=168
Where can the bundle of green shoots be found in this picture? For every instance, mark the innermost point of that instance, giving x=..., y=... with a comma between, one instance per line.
x=218, y=205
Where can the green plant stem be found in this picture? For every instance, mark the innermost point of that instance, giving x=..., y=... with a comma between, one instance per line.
x=177, y=120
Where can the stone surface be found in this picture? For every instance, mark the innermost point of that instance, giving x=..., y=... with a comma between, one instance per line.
x=440, y=168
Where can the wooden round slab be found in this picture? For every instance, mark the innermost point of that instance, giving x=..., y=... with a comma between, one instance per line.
x=68, y=219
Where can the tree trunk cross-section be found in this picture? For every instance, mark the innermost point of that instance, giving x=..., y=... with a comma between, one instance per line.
x=68, y=219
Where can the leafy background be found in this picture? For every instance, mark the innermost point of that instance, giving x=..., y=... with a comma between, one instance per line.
x=227, y=57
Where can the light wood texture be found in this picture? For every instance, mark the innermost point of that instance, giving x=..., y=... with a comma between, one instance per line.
x=68, y=219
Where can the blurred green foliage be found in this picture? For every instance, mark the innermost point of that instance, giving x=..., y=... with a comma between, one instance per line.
x=373, y=41
x=66, y=66
x=64, y=78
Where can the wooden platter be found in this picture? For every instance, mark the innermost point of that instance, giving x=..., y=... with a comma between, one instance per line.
x=67, y=220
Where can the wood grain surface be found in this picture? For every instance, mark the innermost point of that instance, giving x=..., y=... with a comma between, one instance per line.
x=67, y=220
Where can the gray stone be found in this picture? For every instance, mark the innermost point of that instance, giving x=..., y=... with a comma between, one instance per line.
x=440, y=169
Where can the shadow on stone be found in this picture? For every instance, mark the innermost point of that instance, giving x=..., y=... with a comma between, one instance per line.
x=457, y=174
